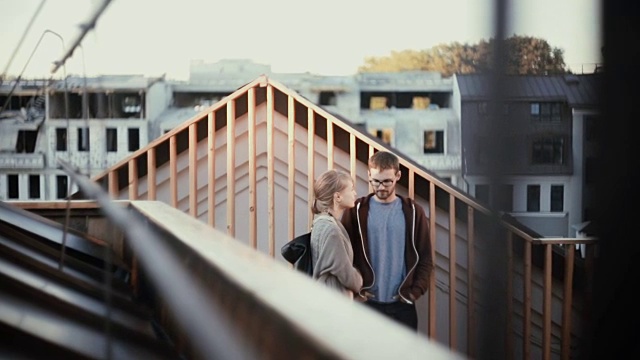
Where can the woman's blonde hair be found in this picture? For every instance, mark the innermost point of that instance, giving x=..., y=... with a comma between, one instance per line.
x=327, y=184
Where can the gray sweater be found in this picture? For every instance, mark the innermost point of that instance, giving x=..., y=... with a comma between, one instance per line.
x=332, y=255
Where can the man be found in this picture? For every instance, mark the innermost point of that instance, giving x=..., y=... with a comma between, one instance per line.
x=391, y=245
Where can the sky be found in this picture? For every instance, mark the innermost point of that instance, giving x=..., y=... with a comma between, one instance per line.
x=329, y=37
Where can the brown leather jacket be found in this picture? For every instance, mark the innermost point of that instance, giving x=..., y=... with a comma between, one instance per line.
x=418, y=254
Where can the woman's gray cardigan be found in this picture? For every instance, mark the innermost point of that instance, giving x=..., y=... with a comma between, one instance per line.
x=332, y=255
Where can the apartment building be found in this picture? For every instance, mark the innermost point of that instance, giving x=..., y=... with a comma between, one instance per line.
x=547, y=128
x=89, y=122
x=411, y=111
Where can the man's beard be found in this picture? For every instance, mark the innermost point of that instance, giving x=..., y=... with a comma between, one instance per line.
x=383, y=194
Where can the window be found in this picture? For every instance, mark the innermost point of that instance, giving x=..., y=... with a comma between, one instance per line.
x=546, y=111
x=482, y=193
x=134, y=139
x=533, y=198
x=535, y=109
x=112, y=139
x=13, y=187
x=131, y=104
x=420, y=102
x=328, y=98
x=505, y=198
x=83, y=139
x=62, y=186
x=26, y=141
x=433, y=142
x=34, y=186
x=557, y=198
x=378, y=103
x=386, y=135
x=548, y=151
x=61, y=139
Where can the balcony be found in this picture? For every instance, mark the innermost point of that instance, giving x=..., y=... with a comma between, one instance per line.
x=21, y=161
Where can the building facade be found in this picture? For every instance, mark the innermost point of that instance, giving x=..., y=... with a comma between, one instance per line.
x=545, y=126
x=411, y=111
x=88, y=122
x=440, y=123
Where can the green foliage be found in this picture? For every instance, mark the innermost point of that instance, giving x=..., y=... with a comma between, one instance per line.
x=524, y=55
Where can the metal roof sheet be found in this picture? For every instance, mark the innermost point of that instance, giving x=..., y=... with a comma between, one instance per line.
x=578, y=90
x=50, y=308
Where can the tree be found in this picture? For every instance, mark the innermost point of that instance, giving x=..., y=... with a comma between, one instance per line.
x=525, y=55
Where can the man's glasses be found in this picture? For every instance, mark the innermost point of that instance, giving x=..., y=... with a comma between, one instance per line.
x=386, y=182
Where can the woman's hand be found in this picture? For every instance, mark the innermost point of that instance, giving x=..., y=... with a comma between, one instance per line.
x=349, y=294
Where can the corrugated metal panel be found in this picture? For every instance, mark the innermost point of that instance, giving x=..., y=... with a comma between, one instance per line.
x=577, y=90
x=70, y=312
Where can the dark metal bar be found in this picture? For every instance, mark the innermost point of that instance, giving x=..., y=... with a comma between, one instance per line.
x=86, y=27
x=495, y=263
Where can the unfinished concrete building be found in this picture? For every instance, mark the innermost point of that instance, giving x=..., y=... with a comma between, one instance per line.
x=91, y=122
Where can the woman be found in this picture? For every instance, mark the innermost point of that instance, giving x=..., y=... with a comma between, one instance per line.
x=331, y=250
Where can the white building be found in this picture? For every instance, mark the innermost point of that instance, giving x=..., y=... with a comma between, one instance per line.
x=418, y=113
x=411, y=111
x=90, y=122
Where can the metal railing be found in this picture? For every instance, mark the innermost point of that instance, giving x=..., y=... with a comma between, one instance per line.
x=210, y=309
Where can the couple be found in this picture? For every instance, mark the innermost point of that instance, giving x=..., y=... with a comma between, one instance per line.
x=375, y=249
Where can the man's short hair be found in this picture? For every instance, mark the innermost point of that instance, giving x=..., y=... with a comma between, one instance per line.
x=383, y=160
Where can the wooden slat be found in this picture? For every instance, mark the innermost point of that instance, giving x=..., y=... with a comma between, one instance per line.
x=270, y=172
x=526, y=303
x=546, y=303
x=193, y=169
x=371, y=152
x=231, y=168
x=61, y=204
x=432, y=280
x=151, y=174
x=114, y=189
x=453, y=320
x=173, y=170
x=253, y=203
x=567, y=300
x=311, y=136
x=330, y=144
x=133, y=179
x=412, y=184
x=211, y=168
x=291, y=121
x=471, y=271
x=352, y=155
